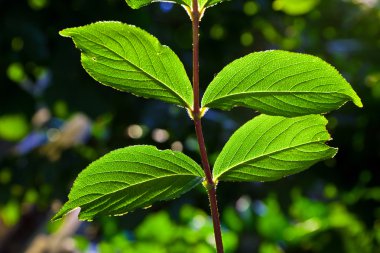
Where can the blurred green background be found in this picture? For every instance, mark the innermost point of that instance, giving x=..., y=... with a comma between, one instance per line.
x=54, y=120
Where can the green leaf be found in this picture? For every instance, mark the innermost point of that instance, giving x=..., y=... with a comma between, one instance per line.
x=202, y=4
x=136, y=4
x=129, y=59
x=280, y=83
x=130, y=178
x=270, y=147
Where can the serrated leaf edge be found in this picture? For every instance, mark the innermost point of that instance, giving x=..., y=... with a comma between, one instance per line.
x=262, y=156
x=62, y=212
x=67, y=33
x=350, y=92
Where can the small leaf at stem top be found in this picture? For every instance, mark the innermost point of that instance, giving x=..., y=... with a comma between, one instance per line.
x=271, y=147
x=280, y=83
x=130, y=178
x=129, y=59
x=136, y=4
x=202, y=4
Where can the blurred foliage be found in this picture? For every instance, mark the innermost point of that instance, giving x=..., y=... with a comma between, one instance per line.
x=294, y=7
x=54, y=120
x=13, y=127
x=194, y=233
x=325, y=224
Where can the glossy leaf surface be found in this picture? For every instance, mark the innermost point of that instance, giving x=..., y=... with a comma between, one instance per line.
x=271, y=147
x=280, y=83
x=129, y=59
x=130, y=178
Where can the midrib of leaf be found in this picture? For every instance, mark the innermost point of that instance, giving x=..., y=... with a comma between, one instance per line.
x=137, y=198
x=125, y=188
x=136, y=172
x=160, y=82
x=169, y=161
x=235, y=166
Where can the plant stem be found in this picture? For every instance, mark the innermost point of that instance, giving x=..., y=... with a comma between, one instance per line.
x=210, y=184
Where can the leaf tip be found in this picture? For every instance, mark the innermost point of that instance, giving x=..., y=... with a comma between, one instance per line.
x=335, y=151
x=358, y=102
x=355, y=98
x=64, y=33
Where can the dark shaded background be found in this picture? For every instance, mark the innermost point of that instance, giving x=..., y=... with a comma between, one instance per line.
x=54, y=120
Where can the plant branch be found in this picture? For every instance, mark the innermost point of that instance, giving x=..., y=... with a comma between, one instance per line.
x=196, y=113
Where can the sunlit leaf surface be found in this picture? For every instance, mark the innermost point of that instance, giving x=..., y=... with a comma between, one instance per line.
x=129, y=59
x=270, y=147
x=280, y=83
x=130, y=178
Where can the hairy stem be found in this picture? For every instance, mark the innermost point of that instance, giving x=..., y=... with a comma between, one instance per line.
x=210, y=184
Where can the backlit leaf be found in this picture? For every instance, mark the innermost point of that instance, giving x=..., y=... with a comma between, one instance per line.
x=202, y=4
x=280, y=83
x=129, y=59
x=130, y=178
x=135, y=4
x=271, y=147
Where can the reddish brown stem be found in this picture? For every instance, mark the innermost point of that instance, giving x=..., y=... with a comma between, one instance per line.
x=210, y=184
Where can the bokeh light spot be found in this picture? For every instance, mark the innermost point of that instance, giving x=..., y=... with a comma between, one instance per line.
x=177, y=146
x=243, y=204
x=53, y=134
x=41, y=116
x=15, y=72
x=37, y=4
x=246, y=39
x=250, y=8
x=166, y=7
x=10, y=213
x=17, y=44
x=217, y=32
x=191, y=143
x=13, y=127
x=5, y=176
x=135, y=131
x=60, y=109
x=198, y=222
x=160, y=135
x=330, y=191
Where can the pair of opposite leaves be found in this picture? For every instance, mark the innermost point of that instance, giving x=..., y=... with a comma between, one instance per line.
x=293, y=88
